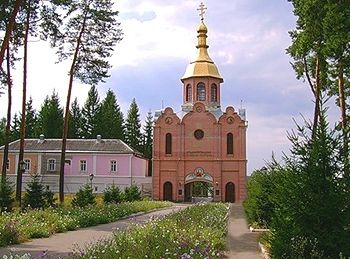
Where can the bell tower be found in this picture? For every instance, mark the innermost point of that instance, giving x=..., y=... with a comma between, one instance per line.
x=201, y=81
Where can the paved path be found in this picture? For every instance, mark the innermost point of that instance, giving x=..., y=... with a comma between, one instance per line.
x=241, y=243
x=60, y=245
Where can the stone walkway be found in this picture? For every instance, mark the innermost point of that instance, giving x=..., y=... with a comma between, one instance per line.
x=241, y=243
x=60, y=245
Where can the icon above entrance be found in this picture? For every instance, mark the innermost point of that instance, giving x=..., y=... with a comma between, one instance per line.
x=199, y=175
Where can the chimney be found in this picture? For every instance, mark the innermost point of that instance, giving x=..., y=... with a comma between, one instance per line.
x=41, y=138
x=99, y=138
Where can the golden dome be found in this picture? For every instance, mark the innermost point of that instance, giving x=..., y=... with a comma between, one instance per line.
x=203, y=66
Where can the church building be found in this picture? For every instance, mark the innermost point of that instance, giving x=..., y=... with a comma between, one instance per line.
x=200, y=152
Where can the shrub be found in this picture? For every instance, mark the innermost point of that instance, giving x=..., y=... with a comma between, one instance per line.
x=84, y=197
x=6, y=199
x=50, y=200
x=112, y=194
x=34, y=196
x=132, y=193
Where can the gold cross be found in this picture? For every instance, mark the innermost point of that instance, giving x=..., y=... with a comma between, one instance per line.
x=201, y=10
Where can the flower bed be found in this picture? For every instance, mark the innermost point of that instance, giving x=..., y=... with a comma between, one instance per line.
x=196, y=232
x=18, y=227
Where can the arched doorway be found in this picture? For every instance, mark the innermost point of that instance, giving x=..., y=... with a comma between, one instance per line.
x=230, y=192
x=168, y=191
x=199, y=191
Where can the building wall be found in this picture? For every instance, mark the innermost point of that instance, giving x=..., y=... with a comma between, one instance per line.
x=208, y=153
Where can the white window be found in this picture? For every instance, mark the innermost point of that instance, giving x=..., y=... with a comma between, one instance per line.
x=83, y=166
x=8, y=164
x=27, y=164
x=114, y=166
x=51, y=165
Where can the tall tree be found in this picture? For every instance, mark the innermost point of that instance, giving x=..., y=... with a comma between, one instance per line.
x=90, y=112
x=88, y=39
x=31, y=120
x=133, y=127
x=50, y=117
x=2, y=131
x=75, y=128
x=110, y=121
x=148, y=141
x=15, y=127
x=307, y=48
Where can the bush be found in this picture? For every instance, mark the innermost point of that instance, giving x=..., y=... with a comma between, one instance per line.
x=132, y=193
x=112, y=194
x=34, y=196
x=84, y=197
x=6, y=199
x=50, y=200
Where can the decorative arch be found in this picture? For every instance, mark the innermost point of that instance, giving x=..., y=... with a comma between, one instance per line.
x=201, y=92
x=229, y=143
x=168, y=144
x=230, y=195
x=168, y=191
x=189, y=93
x=213, y=93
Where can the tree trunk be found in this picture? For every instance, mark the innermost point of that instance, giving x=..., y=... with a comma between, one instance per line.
x=9, y=29
x=8, y=120
x=23, y=119
x=317, y=95
x=67, y=114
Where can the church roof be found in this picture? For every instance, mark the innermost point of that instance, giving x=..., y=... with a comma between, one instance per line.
x=203, y=66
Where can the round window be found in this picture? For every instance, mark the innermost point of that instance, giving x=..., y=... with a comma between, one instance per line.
x=199, y=134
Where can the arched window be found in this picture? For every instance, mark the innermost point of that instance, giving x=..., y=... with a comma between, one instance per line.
x=229, y=144
x=214, y=93
x=188, y=93
x=168, y=144
x=201, y=92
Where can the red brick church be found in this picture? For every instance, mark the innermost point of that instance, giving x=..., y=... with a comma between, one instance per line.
x=201, y=150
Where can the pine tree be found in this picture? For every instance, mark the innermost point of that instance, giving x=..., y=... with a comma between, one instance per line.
x=90, y=113
x=75, y=124
x=50, y=117
x=133, y=127
x=31, y=120
x=15, y=128
x=148, y=141
x=2, y=131
x=6, y=192
x=110, y=121
x=35, y=194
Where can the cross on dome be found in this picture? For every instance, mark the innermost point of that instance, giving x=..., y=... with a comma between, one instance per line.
x=201, y=10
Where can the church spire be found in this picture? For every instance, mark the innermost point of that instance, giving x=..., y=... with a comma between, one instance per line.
x=203, y=66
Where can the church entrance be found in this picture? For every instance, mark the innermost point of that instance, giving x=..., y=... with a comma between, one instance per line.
x=199, y=191
x=168, y=191
x=230, y=192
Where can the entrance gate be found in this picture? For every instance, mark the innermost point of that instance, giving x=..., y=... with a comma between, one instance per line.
x=230, y=192
x=168, y=191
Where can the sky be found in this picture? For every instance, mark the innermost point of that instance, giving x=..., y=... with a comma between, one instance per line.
x=247, y=39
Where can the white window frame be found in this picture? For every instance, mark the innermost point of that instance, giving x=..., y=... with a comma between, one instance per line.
x=83, y=166
x=49, y=165
x=27, y=164
x=113, y=166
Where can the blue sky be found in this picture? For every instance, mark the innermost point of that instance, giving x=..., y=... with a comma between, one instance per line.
x=247, y=41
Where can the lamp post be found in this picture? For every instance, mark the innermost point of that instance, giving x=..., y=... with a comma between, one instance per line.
x=91, y=177
x=21, y=170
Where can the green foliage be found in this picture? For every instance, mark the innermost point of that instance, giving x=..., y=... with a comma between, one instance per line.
x=15, y=127
x=75, y=121
x=110, y=118
x=50, y=117
x=34, y=196
x=6, y=192
x=84, y=197
x=2, y=131
x=90, y=113
x=19, y=226
x=308, y=219
x=133, y=127
x=148, y=141
x=196, y=232
x=131, y=193
x=112, y=194
x=258, y=205
x=31, y=120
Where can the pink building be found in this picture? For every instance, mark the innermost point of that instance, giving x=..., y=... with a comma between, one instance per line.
x=110, y=161
x=200, y=152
